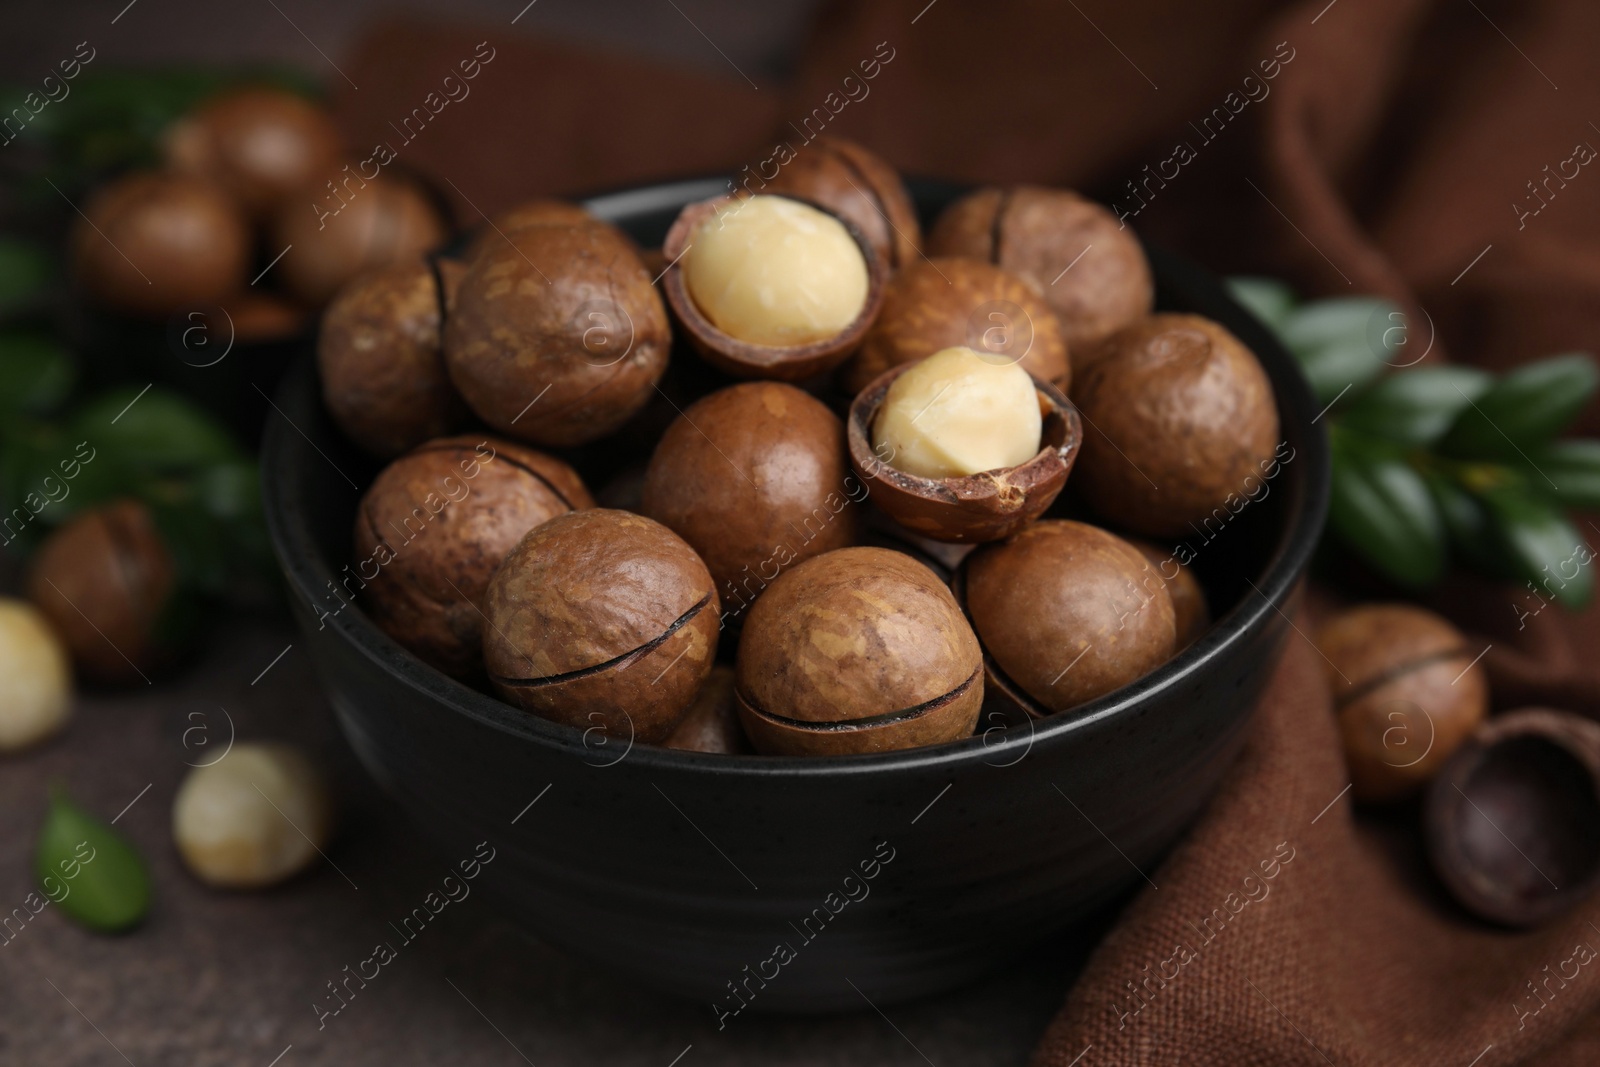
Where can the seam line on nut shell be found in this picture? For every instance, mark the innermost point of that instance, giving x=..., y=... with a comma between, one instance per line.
x=1378, y=681
x=642, y=650
x=916, y=711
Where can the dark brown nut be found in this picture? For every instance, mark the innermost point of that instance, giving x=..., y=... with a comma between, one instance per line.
x=1181, y=427
x=1513, y=819
x=260, y=318
x=505, y=226
x=1407, y=692
x=858, y=650
x=152, y=244
x=980, y=507
x=756, y=478
x=434, y=526
x=602, y=620
x=1041, y=234
x=712, y=724
x=833, y=270
x=858, y=185
x=381, y=359
x=261, y=144
x=557, y=338
x=931, y=305
x=332, y=238
x=1067, y=612
x=1191, y=612
x=108, y=585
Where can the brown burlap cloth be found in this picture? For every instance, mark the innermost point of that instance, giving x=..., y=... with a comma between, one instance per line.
x=1384, y=154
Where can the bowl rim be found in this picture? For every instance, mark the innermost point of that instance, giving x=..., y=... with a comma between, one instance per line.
x=307, y=575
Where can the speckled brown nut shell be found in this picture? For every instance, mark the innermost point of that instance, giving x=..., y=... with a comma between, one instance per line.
x=602, y=620
x=152, y=244
x=1406, y=691
x=387, y=221
x=1180, y=427
x=260, y=143
x=1067, y=612
x=105, y=581
x=859, y=650
x=1191, y=612
x=434, y=526
x=978, y=507
x=558, y=337
x=931, y=305
x=544, y=212
x=712, y=724
x=789, y=363
x=380, y=357
x=1039, y=234
x=756, y=478
x=854, y=184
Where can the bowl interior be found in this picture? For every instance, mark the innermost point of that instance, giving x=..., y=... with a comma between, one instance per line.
x=1248, y=562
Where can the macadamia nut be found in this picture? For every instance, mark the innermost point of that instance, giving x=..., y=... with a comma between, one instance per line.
x=774, y=271
x=35, y=678
x=253, y=818
x=958, y=413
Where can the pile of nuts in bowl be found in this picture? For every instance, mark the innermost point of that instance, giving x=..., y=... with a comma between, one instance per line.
x=861, y=524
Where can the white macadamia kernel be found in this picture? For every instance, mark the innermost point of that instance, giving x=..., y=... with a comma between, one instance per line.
x=958, y=413
x=35, y=677
x=773, y=271
x=244, y=821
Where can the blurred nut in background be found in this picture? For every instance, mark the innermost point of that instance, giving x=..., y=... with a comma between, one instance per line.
x=108, y=585
x=151, y=244
x=333, y=236
x=1068, y=611
x=1191, y=612
x=381, y=360
x=712, y=724
x=1091, y=270
x=434, y=526
x=602, y=620
x=252, y=819
x=931, y=305
x=857, y=185
x=1407, y=692
x=35, y=677
x=557, y=337
x=259, y=143
x=756, y=478
x=1180, y=427
x=859, y=650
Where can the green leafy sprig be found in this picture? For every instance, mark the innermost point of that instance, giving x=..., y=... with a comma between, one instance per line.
x=1439, y=463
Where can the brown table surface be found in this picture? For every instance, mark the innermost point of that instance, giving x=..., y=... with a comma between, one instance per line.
x=230, y=978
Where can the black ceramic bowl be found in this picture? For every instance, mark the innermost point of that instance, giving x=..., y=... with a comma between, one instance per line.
x=797, y=884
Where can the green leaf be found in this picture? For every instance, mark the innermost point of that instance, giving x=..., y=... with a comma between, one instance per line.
x=90, y=870
x=1542, y=544
x=1382, y=510
x=159, y=431
x=1416, y=407
x=1472, y=533
x=1342, y=344
x=1573, y=466
x=36, y=373
x=1267, y=299
x=24, y=274
x=1526, y=407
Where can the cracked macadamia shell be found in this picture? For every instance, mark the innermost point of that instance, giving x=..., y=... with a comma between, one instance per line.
x=859, y=650
x=756, y=478
x=931, y=305
x=854, y=184
x=154, y=244
x=107, y=582
x=1407, y=693
x=557, y=337
x=434, y=526
x=1068, y=611
x=1085, y=263
x=1180, y=426
x=602, y=620
x=380, y=357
